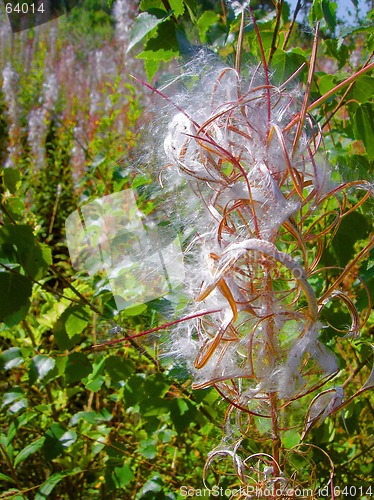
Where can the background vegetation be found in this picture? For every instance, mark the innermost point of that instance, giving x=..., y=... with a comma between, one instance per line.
x=117, y=423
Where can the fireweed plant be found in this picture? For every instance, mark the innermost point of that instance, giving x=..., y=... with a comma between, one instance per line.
x=242, y=174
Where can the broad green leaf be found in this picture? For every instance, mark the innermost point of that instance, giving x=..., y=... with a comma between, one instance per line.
x=15, y=292
x=151, y=407
x=353, y=228
x=363, y=89
x=92, y=417
x=363, y=127
x=155, y=47
x=153, y=485
x=37, y=261
x=133, y=387
x=40, y=366
x=326, y=83
x=62, y=339
x=77, y=367
x=16, y=240
x=182, y=414
x=15, y=400
x=57, y=438
x=338, y=51
x=16, y=207
x=12, y=178
x=177, y=7
x=11, y=358
x=136, y=310
x=315, y=13
x=151, y=4
x=166, y=435
x=76, y=320
x=17, y=244
x=286, y=63
x=148, y=449
x=29, y=450
x=18, y=422
x=48, y=486
x=118, y=368
x=290, y=438
x=329, y=13
x=156, y=385
x=157, y=55
x=95, y=379
x=205, y=22
x=122, y=476
x=143, y=25
x=94, y=384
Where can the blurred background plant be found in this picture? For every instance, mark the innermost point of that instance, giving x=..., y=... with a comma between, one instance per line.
x=118, y=423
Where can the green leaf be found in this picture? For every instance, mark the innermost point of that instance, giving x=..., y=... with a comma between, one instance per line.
x=353, y=228
x=18, y=245
x=76, y=320
x=62, y=339
x=15, y=400
x=136, y=310
x=40, y=366
x=338, y=51
x=326, y=83
x=205, y=22
x=329, y=13
x=151, y=67
x=29, y=450
x=16, y=207
x=286, y=63
x=143, y=25
x=153, y=485
x=37, y=261
x=12, y=178
x=8, y=479
x=156, y=48
x=182, y=414
x=156, y=385
x=362, y=90
x=133, y=387
x=11, y=358
x=151, y=4
x=363, y=127
x=15, y=293
x=148, y=449
x=16, y=241
x=152, y=407
x=122, y=476
x=177, y=7
x=92, y=417
x=57, y=438
x=118, y=368
x=48, y=486
x=290, y=438
x=315, y=13
x=77, y=367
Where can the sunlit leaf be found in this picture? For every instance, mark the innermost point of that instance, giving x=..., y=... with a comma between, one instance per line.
x=11, y=358
x=143, y=25
x=29, y=450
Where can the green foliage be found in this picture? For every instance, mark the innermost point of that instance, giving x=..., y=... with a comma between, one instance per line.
x=78, y=422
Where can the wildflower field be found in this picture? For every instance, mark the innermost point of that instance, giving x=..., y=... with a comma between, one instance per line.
x=186, y=251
